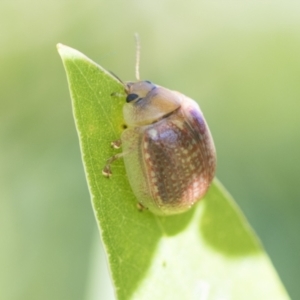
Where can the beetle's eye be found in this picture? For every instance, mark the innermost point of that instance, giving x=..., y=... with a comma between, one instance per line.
x=131, y=97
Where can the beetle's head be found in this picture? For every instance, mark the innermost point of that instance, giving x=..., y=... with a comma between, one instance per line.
x=136, y=91
x=146, y=103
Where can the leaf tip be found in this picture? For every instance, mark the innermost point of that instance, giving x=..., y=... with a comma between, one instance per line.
x=60, y=48
x=68, y=52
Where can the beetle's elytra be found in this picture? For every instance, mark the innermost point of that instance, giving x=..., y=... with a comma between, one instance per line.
x=167, y=147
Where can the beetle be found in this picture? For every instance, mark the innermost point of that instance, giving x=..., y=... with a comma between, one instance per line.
x=167, y=147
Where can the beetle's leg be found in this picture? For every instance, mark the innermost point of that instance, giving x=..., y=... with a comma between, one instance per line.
x=118, y=95
x=107, y=170
x=116, y=144
x=140, y=206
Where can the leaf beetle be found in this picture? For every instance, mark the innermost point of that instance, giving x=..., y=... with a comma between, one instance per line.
x=167, y=147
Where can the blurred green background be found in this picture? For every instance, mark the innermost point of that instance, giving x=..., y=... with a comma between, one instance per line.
x=240, y=60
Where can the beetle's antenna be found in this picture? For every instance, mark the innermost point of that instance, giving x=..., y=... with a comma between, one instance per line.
x=137, y=57
x=114, y=75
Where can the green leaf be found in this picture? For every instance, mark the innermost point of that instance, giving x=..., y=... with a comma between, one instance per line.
x=210, y=252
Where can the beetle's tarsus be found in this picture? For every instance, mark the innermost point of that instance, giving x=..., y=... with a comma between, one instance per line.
x=107, y=171
x=116, y=144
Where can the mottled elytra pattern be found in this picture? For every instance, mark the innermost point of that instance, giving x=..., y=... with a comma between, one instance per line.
x=179, y=163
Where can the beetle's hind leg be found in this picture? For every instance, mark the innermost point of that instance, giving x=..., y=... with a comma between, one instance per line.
x=141, y=207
